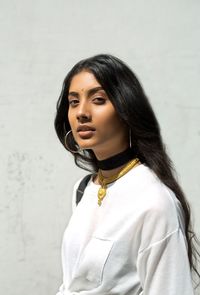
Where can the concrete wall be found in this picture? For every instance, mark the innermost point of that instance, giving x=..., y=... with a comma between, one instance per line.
x=40, y=41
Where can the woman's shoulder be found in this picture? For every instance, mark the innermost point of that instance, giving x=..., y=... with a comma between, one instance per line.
x=79, y=188
x=74, y=194
x=145, y=183
x=159, y=211
x=152, y=197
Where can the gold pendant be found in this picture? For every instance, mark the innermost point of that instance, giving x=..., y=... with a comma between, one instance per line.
x=101, y=195
x=104, y=181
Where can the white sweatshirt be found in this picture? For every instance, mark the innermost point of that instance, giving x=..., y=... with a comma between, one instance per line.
x=133, y=244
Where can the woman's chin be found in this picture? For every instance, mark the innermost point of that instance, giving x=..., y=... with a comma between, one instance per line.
x=86, y=146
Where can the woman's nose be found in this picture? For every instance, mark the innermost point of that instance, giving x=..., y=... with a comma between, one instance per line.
x=83, y=112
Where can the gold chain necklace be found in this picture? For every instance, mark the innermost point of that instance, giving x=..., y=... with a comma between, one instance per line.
x=106, y=180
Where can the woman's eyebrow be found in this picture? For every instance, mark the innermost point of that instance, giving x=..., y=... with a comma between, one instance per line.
x=89, y=92
x=94, y=90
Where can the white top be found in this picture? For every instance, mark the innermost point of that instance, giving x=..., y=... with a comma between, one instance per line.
x=133, y=244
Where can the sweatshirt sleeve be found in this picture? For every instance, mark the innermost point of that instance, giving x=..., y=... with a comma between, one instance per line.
x=163, y=267
x=62, y=290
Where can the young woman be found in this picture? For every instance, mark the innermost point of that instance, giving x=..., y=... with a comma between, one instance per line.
x=130, y=233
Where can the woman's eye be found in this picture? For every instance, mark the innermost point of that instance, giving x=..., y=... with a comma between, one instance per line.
x=99, y=100
x=73, y=102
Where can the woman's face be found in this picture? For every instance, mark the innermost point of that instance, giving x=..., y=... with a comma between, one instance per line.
x=94, y=122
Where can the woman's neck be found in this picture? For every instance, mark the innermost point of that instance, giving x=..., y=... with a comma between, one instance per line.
x=112, y=164
x=108, y=152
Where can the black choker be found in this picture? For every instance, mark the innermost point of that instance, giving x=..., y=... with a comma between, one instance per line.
x=116, y=160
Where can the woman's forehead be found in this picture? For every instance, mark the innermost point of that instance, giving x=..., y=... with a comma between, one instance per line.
x=83, y=81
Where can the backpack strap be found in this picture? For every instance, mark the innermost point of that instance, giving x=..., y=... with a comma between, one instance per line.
x=81, y=188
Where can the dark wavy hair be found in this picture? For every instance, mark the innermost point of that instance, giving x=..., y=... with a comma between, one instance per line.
x=132, y=105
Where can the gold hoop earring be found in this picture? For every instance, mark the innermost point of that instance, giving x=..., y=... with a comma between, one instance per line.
x=67, y=145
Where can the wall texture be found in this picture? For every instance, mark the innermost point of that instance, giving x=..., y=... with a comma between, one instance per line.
x=40, y=41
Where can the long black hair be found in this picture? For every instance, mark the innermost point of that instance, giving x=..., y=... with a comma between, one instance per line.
x=133, y=107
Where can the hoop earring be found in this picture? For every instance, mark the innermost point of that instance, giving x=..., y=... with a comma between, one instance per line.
x=130, y=139
x=67, y=145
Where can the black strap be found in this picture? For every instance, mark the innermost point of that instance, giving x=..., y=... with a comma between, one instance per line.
x=81, y=188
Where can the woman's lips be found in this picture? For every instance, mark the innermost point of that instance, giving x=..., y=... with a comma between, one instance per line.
x=85, y=131
x=86, y=134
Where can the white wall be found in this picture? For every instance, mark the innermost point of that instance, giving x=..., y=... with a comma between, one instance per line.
x=40, y=41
